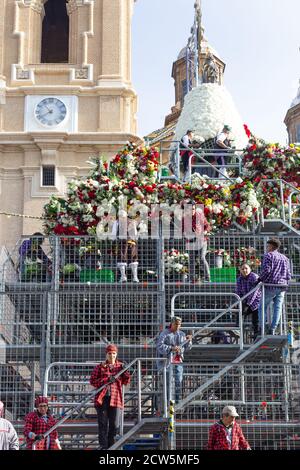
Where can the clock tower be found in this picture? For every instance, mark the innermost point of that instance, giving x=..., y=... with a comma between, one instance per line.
x=65, y=95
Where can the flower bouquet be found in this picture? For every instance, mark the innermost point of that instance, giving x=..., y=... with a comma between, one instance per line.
x=222, y=257
x=175, y=262
x=245, y=255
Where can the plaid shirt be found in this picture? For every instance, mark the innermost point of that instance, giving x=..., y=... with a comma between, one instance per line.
x=35, y=423
x=245, y=285
x=275, y=269
x=166, y=341
x=218, y=438
x=101, y=376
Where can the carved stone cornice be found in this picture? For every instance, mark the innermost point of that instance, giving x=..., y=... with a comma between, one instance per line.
x=72, y=5
x=36, y=5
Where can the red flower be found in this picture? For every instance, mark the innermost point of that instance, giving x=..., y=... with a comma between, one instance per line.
x=59, y=230
x=247, y=130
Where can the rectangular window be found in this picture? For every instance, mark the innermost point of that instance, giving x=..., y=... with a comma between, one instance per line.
x=48, y=175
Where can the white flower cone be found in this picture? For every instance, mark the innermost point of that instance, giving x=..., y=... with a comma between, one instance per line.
x=206, y=109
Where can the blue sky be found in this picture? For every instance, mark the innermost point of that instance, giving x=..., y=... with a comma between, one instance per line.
x=259, y=41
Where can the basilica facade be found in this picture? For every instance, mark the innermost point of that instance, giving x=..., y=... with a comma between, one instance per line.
x=65, y=95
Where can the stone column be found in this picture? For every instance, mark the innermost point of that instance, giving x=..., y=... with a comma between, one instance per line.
x=115, y=41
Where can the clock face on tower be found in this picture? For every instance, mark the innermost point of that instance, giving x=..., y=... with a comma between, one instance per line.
x=50, y=112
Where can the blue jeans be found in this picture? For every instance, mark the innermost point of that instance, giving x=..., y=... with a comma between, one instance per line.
x=177, y=375
x=277, y=295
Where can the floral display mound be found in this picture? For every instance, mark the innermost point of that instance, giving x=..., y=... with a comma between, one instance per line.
x=132, y=174
x=272, y=161
x=265, y=164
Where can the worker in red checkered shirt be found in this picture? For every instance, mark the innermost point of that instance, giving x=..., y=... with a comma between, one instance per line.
x=37, y=423
x=226, y=434
x=109, y=401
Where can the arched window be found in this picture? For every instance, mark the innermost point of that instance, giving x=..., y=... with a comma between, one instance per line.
x=55, y=33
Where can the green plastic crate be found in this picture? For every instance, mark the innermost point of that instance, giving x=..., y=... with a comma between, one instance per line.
x=223, y=274
x=97, y=275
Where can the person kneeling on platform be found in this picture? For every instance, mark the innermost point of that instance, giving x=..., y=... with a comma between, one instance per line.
x=109, y=401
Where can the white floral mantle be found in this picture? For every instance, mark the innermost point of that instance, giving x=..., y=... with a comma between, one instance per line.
x=206, y=109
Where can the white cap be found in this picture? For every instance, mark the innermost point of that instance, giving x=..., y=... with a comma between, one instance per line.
x=230, y=410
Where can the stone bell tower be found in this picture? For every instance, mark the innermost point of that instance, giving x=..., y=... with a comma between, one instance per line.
x=65, y=95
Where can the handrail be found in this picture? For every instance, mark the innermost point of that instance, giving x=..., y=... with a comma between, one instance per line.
x=80, y=405
x=204, y=152
x=285, y=218
x=228, y=310
x=238, y=303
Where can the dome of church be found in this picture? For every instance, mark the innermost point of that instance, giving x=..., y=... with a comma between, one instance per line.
x=206, y=110
x=205, y=49
x=296, y=101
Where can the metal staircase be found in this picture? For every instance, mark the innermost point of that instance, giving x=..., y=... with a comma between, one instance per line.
x=265, y=344
x=157, y=427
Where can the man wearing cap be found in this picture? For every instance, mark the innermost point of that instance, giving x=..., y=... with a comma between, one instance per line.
x=109, y=401
x=226, y=434
x=37, y=423
x=172, y=343
x=223, y=143
x=8, y=436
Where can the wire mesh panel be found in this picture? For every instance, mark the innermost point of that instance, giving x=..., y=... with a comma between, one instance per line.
x=23, y=318
x=266, y=397
x=90, y=319
x=68, y=384
x=29, y=264
x=67, y=303
x=89, y=261
x=20, y=382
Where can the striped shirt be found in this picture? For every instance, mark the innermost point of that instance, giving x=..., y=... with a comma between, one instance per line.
x=275, y=269
x=245, y=285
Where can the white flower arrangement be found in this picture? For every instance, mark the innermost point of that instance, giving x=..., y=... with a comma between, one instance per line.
x=206, y=109
x=176, y=262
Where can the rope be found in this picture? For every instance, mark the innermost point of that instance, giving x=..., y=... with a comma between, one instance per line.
x=12, y=214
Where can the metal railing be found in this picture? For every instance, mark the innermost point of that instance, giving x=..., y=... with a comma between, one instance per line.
x=202, y=159
x=45, y=322
x=266, y=396
x=75, y=384
x=283, y=209
x=234, y=310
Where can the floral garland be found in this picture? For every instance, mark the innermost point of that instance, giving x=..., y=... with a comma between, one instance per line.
x=91, y=201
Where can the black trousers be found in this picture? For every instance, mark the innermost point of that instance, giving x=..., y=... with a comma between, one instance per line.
x=185, y=158
x=108, y=423
x=248, y=311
